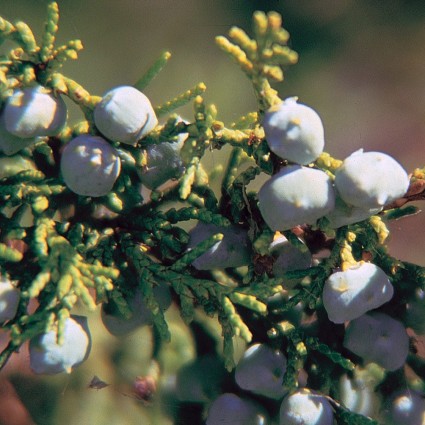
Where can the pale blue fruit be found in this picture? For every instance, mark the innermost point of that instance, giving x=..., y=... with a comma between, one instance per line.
x=10, y=144
x=9, y=300
x=288, y=257
x=304, y=407
x=294, y=131
x=234, y=250
x=49, y=357
x=296, y=195
x=344, y=214
x=350, y=293
x=125, y=115
x=261, y=370
x=119, y=325
x=370, y=179
x=163, y=163
x=378, y=338
x=229, y=409
x=33, y=112
x=358, y=393
x=407, y=408
x=90, y=165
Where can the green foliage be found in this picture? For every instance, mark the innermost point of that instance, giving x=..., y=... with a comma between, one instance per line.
x=345, y=417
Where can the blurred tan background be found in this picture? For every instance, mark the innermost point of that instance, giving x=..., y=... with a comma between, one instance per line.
x=362, y=67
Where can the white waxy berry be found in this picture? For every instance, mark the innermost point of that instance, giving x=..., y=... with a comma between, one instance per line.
x=304, y=407
x=294, y=131
x=229, y=409
x=358, y=393
x=234, y=250
x=49, y=357
x=350, y=293
x=11, y=144
x=33, y=112
x=125, y=115
x=370, y=179
x=296, y=195
x=119, y=325
x=261, y=370
x=9, y=300
x=90, y=165
x=378, y=338
x=344, y=214
x=288, y=257
x=163, y=163
x=407, y=408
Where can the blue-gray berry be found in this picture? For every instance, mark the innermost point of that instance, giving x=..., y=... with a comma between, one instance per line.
x=34, y=112
x=90, y=165
x=9, y=300
x=234, y=250
x=294, y=131
x=261, y=370
x=378, y=338
x=305, y=407
x=229, y=409
x=296, y=195
x=350, y=293
x=47, y=356
x=125, y=115
x=163, y=163
x=370, y=179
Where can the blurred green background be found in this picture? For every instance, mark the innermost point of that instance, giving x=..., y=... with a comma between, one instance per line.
x=362, y=67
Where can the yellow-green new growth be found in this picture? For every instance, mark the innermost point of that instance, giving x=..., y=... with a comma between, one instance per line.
x=239, y=327
x=63, y=53
x=50, y=30
x=8, y=254
x=153, y=71
x=180, y=100
x=262, y=57
x=26, y=39
x=249, y=301
x=65, y=269
x=380, y=228
x=21, y=34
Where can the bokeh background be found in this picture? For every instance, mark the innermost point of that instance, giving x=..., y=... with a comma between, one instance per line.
x=362, y=67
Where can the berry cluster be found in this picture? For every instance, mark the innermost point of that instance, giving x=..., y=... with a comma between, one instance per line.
x=259, y=372
x=30, y=113
x=360, y=187
x=302, y=193
x=90, y=164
